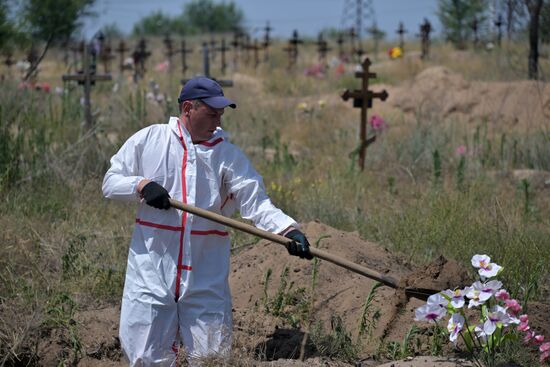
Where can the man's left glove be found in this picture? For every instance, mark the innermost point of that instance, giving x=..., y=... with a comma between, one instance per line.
x=299, y=245
x=156, y=195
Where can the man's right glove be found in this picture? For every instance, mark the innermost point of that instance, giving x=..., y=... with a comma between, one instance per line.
x=299, y=245
x=156, y=195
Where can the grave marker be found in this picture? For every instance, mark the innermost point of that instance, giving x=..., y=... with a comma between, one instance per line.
x=87, y=77
x=425, y=30
x=184, y=51
x=121, y=50
x=363, y=98
x=401, y=32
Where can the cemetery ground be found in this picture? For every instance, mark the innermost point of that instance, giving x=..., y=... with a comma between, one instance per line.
x=460, y=168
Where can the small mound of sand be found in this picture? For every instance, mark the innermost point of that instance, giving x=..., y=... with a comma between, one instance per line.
x=338, y=292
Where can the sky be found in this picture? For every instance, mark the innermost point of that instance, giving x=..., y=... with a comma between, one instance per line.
x=307, y=16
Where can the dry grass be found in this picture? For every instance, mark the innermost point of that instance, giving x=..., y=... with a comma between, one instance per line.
x=61, y=237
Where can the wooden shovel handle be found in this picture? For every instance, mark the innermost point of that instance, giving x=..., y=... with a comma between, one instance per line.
x=356, y=268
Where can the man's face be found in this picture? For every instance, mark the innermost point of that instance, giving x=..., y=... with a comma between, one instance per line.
x=201, y=120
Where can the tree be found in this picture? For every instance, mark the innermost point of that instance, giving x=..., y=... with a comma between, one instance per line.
x=159, y=24
x=534, y=8
x=457, y=16
x=207, y=16
x=7, y=27
x=515, y=15
x=545, y=22
x=51, y=21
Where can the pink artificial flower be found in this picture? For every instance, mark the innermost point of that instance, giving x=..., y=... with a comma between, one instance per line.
x=545, y=347
x=544, y=357
x=502, y=295
x=460, y=150
x=162, y=66
x=523, y=326
x=539, y=339
x=45, y=87
x=378, y=123
x=524, y=318
x=529, y=334
x=513, y=306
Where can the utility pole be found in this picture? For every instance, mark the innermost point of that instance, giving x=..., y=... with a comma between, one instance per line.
x=358, y=13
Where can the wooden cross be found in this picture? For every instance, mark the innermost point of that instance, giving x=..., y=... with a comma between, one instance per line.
x=362, y=98
x=235, y=43
x=169, y=52
x=498, y=24
x=105, y=56
x=322, y=48
x=256, y=49
x=267, y=41
x=376, y=35
x=475, y=27
x=340, y=41
x=184, y=51
x=9, y=60
x=292, y=49
x=425, y=29
x=213, y=48
x=246, y=46
x=121, y=50
x=223, y=48
x=401, y=32
x=352, y=38
x=140, y=56
x=87, y=77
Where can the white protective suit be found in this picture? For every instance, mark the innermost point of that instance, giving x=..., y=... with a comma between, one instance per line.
x=176, y=285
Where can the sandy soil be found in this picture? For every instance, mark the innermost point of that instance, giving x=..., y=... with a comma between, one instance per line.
x=274, y=341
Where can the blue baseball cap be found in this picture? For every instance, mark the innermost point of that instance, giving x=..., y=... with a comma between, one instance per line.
x=207, y=90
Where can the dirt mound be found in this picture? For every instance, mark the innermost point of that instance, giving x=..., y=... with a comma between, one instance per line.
x=440, y=92
x=264, y=275
x=272, y=315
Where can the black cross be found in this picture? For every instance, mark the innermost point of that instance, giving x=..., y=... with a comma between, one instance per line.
x=121, y=50
x=184, y=51
x=87, y=77
x=401, y=32
x=267, y=41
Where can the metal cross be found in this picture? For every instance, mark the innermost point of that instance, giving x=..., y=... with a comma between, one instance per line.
x=362, y=98
x=87, y=77
x=206, y=67
x=340, y=41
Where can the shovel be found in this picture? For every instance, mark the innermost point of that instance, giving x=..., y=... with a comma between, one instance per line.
x=420, y=293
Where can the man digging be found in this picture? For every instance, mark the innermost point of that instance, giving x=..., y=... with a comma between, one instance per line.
x=176, y=289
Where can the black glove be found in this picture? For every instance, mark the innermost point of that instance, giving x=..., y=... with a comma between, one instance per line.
x=156, y=195
x=299, y=245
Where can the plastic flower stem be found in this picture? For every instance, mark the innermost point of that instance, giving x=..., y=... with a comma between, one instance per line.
x=472, y=351
x=469, y=332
